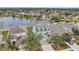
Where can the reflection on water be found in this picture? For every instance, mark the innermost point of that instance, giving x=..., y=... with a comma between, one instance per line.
x=9, y=22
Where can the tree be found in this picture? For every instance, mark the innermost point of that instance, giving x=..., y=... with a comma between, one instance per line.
x=54, y=19
x=7, y=47
x=32, y=42
x=75, y=30
x=57, y=40
x=67, y=13
x=13, y=15
x=67, y=37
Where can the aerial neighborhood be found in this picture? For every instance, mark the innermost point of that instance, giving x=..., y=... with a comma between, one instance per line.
x=39, y=29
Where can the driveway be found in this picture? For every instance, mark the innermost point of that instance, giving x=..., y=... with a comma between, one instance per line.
x=45, y=45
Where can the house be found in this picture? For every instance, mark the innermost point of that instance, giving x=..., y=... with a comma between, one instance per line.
x=17, y=36
x=58, y=28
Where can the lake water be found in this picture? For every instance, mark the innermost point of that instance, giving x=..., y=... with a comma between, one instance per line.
x=9, y=22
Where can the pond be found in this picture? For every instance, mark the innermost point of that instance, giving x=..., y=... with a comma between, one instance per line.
x=9, y=22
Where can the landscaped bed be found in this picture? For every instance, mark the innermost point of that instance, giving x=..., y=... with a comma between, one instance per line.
x=59, y=47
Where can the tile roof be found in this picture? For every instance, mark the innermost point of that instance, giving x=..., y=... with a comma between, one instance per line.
x=17, y=30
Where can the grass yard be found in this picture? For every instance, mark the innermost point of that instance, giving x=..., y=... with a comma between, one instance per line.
x=1, y=16
x=5, y=33
x=71, y=20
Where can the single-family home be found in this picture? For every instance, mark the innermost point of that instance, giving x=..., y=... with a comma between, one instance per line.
x=17, y=36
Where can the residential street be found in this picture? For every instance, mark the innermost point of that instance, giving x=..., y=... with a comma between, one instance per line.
x=74, y=46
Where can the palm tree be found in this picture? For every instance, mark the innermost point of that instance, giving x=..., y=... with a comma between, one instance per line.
x=13, y=15
x=57, y=40
x=32, y=42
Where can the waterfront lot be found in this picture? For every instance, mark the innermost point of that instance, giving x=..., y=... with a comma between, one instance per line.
x=5, y=34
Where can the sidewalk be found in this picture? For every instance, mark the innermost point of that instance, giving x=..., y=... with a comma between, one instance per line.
x=75, y=47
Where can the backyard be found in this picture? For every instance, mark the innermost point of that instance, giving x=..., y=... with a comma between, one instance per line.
x=5, y=34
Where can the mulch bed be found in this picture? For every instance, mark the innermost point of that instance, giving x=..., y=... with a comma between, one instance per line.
x=59, y=47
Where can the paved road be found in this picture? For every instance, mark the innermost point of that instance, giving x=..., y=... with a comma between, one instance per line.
x=74, y=46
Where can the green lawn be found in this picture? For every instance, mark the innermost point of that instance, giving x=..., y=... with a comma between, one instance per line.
x=1, y=16
x=71, y=20
x=5, y=33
